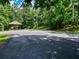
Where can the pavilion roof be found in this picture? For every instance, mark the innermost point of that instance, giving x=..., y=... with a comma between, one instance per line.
x=15, y=23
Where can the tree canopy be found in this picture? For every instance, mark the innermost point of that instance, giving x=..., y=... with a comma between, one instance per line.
x=48, y=14
x=4, y=1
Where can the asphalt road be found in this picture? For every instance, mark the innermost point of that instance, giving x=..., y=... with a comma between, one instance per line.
x=35, y=44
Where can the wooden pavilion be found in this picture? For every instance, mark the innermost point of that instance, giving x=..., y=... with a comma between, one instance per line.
x=15, y=25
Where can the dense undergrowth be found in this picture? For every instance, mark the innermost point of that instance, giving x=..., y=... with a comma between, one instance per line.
x=58, y=16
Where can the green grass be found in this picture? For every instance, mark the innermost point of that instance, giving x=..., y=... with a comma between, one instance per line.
x=76, y=30
x=41, y=28
x=4, y=39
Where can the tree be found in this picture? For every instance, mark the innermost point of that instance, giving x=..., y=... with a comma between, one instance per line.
x=4, y=1
x=44, y=3
x=28, y=1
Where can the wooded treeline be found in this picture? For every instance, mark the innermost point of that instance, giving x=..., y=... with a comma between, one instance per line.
x=46, y=14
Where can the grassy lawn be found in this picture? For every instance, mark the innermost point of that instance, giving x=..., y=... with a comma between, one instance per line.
x=3, y=40
x=75, y=30
x=41, y=28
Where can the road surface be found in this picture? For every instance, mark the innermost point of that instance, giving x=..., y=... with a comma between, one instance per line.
x=35, y=44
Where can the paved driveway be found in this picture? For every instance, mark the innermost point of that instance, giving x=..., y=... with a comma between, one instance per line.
x=40, y=45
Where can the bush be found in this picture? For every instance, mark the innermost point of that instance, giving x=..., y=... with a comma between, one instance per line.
x=58, y=16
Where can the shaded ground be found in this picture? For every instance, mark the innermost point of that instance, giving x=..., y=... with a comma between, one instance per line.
x=40, y=47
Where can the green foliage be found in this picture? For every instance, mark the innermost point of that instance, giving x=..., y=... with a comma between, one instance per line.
x=4, y=1
x=48, y=15
x=8, y=14
x=3, y=40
